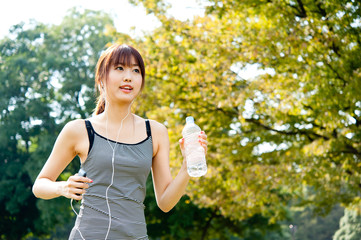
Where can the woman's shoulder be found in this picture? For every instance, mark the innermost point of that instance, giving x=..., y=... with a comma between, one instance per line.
x=73, y=124
x=74, y=127
x=157, y=127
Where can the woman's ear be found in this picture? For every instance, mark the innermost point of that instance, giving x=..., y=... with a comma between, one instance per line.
x=100, y=87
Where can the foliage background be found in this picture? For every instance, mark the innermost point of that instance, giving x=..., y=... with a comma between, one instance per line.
x=285, y=143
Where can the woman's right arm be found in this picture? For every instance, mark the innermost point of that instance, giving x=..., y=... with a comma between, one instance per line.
x=69, y=143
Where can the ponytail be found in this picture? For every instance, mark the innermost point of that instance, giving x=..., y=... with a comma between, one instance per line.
x=100, y=105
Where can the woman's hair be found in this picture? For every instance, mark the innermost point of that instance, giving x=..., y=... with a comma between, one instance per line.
x=114, y=55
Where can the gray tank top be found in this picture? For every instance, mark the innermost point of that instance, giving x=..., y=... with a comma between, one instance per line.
x=132, y=164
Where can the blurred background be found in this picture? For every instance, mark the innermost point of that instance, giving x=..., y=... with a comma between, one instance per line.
x=276, y=85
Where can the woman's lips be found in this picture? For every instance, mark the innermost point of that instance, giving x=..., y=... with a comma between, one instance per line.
x=126, y=88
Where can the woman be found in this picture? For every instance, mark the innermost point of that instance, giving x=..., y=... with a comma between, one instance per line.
x=117, y=149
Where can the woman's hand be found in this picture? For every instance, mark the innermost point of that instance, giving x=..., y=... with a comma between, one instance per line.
x=75, y=186
x=202, y=139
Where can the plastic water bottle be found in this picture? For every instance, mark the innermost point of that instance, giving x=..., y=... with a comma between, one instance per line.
x=195, y=155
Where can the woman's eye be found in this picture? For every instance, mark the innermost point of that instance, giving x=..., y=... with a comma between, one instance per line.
x=137, y=70
x=120, y=68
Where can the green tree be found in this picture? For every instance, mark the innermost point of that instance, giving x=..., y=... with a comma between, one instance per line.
x=24, y=98
x=46, y=76
x=291, y=132
x=72, y=51
x=308, y=226
x=350, y=226
x=188, y=221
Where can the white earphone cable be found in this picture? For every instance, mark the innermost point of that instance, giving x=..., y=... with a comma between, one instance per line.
x=113, y=156
x=112, y=178
x=71, y=203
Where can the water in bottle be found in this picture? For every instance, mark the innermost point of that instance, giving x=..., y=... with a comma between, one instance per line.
x=195, y=154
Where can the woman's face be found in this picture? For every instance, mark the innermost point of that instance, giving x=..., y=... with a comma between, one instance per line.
x=124, y=82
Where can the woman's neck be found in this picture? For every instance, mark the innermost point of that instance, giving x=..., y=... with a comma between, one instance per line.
x=117, y=113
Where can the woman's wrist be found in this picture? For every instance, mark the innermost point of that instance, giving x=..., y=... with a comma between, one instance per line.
x=60, y=188
x=183, y=169
x=184, y=165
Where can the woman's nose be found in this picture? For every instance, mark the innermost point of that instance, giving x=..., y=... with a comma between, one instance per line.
x=127, y=76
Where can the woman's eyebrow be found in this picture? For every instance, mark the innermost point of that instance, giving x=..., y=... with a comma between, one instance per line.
x=123, y=64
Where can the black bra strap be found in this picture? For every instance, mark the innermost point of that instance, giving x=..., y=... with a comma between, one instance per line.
x=149, y=132
x=90, y=131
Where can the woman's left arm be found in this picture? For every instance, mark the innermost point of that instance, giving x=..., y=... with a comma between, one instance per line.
x=168, y=191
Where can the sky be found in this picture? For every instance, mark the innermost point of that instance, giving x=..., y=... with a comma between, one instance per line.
x=124, y=14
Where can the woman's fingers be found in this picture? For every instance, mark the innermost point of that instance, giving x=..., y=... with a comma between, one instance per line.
x=202, y=138
x=79, y=185
x=77, y=197
x=203, y=135
x=77, y=178
x=79, y=190
x=181, y=142
x=75, y=187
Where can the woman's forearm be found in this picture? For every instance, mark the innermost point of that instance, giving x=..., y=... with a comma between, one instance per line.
x=46, y=189
x=74, y=187
x=174, y=191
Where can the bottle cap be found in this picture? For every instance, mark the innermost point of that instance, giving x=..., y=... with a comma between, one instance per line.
x=189, y=119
